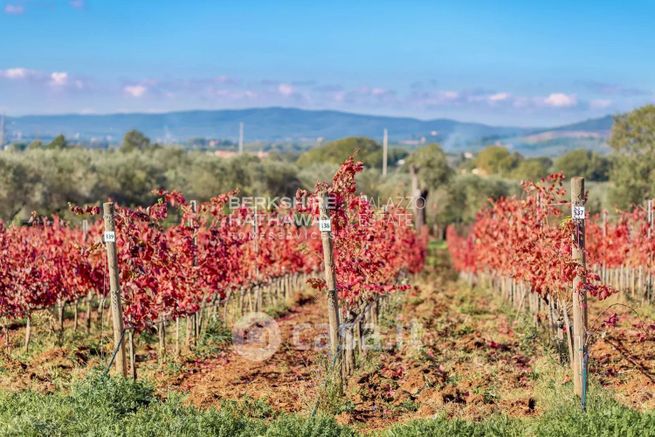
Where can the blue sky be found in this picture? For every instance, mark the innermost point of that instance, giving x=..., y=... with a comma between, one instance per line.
x=510, y=62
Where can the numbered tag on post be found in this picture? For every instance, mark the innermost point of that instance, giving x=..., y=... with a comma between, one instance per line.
x=324, y=225
x=110, y=237
x=578, y=212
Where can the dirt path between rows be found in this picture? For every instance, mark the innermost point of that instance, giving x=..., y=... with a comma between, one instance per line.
x=474, y=358
x=288, y=380
x=468, y=363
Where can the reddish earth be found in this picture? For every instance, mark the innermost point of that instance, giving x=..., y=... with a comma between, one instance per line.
x=463, y=354
x=623, y=356
x=469, y=357
x=288, y=380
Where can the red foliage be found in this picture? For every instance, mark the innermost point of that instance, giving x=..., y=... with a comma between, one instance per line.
x=528, y=239
x=372, y=248
x=170, y=270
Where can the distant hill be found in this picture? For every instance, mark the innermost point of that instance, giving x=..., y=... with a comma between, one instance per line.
x=594, y=124
x=589, y=134
x=283, y=125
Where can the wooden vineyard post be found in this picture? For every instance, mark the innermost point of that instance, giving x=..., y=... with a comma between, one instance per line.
x=330, y=279
x=89, y=296
x=114, y=287
x=161, y=333
x=649, y=287
x=604, y=263
x=130, y=335
x=177, y=336
x=416, y=194
x=198, y=317
x=258, y=289
x=28, y=331
x=579, y=359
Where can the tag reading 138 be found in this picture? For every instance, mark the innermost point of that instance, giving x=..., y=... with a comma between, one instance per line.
x=324, y=225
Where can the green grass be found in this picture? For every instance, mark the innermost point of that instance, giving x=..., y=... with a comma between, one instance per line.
x=215, y=337
x=604, y=417
x=103, y=406
x=279, y=310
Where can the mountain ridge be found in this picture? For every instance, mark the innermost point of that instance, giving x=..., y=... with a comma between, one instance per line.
x=280, y=124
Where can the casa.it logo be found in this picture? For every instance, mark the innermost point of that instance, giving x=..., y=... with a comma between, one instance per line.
x=256, y=336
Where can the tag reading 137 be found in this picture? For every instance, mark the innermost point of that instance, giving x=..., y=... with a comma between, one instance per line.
x=578, y=212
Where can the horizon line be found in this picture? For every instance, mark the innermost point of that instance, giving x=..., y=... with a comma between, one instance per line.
x=106, y=114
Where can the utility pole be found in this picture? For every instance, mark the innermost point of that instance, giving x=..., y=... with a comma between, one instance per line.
x=241, y=138
x=2, y=130
x=385, y=152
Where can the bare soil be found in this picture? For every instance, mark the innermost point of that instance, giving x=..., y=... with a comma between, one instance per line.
x=447, y=350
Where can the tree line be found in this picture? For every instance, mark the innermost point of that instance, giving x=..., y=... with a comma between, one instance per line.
x=45, y=177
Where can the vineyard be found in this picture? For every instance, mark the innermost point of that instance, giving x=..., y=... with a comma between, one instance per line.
x=179, y=260
x=327, y=219
x=389, y=333
x=545, y=256
x=536, y=233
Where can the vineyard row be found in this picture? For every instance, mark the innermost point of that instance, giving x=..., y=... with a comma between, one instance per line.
x=179, y=260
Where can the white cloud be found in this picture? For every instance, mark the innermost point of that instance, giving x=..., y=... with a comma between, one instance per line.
x=600, y=103
x=499, y=97
x=15, y=73
x=561, y=100
x=285, y=89
x=58, y=78
x=12, y=9
x=135, y=90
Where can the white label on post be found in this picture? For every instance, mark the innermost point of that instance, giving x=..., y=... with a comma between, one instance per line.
x=578, y=212
x=324, y=225
x=110, y=237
